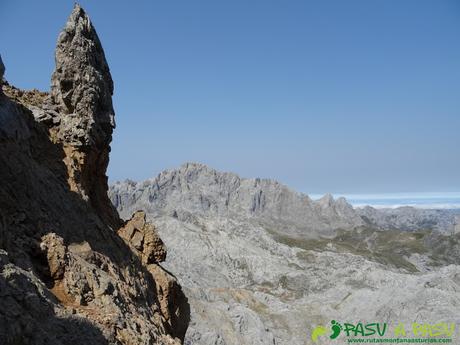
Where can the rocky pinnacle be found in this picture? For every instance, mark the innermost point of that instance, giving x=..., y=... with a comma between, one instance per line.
x=71, y=271
x=81, y=85
x=81, y=95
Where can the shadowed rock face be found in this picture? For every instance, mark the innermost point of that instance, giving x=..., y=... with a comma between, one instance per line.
x=2, y=71
x=69, y=270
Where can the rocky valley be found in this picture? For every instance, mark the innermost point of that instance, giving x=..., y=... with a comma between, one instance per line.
x=262, y=264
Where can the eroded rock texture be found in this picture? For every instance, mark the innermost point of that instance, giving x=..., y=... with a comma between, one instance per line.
x=143, y=239
x=262, y=264
x=81, y=96
x=68, y=273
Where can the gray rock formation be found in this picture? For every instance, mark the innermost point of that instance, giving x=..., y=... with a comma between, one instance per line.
x=196, y=190
x=81, y=85
x=261, y=264
x=81, y=95
x=70, y=271
x=410, y=218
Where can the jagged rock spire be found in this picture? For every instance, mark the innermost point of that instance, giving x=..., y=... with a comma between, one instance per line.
x=81, y=98
x=81, y=84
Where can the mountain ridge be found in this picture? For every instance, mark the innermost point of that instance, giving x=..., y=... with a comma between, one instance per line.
x=206, y=191
x=252, y=279
x=326, y=214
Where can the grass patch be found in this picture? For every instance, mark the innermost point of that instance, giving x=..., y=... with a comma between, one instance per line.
x=388, y=247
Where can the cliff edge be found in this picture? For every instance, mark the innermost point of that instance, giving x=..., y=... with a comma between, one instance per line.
x=71, y=271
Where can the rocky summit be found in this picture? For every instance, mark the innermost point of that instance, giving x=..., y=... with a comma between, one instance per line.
x=71, y=271
x=262, y=264
x=196, y=190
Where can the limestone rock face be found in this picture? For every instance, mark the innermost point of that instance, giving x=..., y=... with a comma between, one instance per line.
x=68, y=273
x=197, y=190
x=81, y=103
x=143, y=239
x=81, y=84
x=145, y=242
x=262, y=264
x=410, y=218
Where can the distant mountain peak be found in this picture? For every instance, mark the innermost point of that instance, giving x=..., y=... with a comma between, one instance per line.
x=195, y=188
x=326, y=201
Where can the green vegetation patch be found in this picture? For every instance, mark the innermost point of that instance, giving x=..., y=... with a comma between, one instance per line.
x=388, y=247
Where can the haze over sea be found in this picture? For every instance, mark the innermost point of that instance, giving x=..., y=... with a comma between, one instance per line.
x=447, y=200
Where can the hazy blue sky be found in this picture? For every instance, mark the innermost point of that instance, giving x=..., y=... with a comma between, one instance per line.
x=340, y=96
